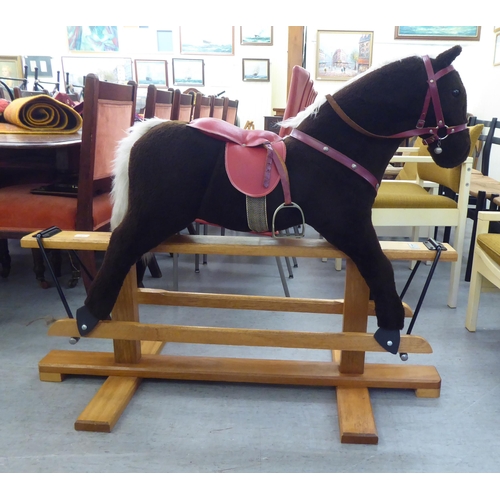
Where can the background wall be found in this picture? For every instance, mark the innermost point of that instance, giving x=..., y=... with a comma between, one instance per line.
x=257, y=99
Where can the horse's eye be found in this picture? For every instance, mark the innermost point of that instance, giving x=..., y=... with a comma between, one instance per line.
x=456, y=93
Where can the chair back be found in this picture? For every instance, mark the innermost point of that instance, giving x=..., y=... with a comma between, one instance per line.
x=182, y=108
x=230, y=112
x=217, y=109
x=449, y=177
x=487, y=139
x=108, y=113
x=159, y=103
x=202, y=106
x=300, y=95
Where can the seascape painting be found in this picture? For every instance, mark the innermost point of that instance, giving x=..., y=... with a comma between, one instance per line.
x=256, y=35
x=188, y=72
x=216, y=42
x=438, y=32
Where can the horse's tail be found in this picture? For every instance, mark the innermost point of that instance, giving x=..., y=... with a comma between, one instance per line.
x=119, y=191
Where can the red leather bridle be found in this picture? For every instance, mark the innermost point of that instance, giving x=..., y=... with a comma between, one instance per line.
x=435, y=132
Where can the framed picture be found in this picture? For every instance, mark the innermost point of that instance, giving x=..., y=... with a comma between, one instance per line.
x=342, y=55
x=93, y=38
x=256, y=35
x=11, y=66
x=438, y=32
x=43, y=63
x=217, y=41
x=110, y=69
x=496, y=57
x=496, y=28
x=149, y=72
x=165, y=40
x=188, y=72
x=255, y=70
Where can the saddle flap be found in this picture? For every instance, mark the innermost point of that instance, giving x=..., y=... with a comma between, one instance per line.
x=251, y=170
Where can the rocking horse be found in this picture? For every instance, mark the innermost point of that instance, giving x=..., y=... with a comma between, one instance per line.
x=330, y=166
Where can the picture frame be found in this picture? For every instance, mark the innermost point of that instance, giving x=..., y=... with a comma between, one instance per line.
x=188, y=72
x=111, y=69
x=342, y=55
x=92, y=38
x=165, y=40
x=255, y=70
x=496, y=28
x=43, y=63
x=151, y=72
x=496, y=55
x=256, y=35
x=471, y=33
x=217, y=41
x=11, y=66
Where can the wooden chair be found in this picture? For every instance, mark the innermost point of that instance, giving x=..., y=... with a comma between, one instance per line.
x=182, y=108
x=485, y=275
x=109, y=110
x=483, y=188
x=301, y=94
x=230, y=112
x=159, y=103
x=217, y=108
x=202, y=106
x=18, y=92
x=410, y=204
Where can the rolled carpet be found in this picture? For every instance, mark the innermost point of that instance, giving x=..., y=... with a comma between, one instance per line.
x=39, y=114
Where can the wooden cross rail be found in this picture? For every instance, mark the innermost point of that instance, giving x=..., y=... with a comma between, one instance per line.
x=137, y=346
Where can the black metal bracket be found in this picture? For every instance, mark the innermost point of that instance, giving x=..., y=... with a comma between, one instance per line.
x=438, y=247
x=47, y=233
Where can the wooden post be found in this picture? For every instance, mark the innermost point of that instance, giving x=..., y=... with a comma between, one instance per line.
x=295, y=51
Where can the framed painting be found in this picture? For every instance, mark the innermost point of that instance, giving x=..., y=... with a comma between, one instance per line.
x=217, y=41
x=110, y=69
x=496, y=57
x=93, y=38
x=165, y=40
x=255, y=70
x=256, y=35
x=151, y=72
x=43, y=63
x=341, y=55
x=11, y=67
x=471, y=33
x=188, y=72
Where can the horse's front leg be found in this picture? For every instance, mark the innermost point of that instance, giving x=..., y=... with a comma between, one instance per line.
x=363, y=247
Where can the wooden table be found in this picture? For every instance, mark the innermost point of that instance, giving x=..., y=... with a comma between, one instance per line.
x=66, y=147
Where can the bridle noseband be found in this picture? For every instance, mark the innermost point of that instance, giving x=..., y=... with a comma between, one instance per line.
x=436, y=132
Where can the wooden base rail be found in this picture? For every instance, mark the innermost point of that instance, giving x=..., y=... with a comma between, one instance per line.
x=137, y=346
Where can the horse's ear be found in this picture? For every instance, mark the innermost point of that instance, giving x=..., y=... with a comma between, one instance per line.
x=446, y=58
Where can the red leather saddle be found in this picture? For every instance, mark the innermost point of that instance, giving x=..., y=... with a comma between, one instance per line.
x=254, y=158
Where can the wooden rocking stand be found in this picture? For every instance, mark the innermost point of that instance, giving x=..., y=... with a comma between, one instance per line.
x=137, y=346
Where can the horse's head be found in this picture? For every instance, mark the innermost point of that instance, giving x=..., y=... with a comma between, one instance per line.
x=448, y=141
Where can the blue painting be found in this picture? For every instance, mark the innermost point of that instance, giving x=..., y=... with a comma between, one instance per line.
x=93, y=38
x=439, y=32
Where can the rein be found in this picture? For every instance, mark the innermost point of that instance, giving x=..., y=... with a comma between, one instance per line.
x=420, y=129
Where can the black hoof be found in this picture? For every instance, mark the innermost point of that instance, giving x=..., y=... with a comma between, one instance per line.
x=388, y=339
x=85, y=321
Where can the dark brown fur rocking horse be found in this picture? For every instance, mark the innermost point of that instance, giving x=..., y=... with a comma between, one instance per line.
x=170, y=173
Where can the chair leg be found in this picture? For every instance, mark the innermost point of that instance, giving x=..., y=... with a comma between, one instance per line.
x=153, y=267
x=5, y=259
x=480, y=205
x=473, y=301
x=282, y=276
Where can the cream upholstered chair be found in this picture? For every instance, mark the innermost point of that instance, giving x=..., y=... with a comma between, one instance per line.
x=410, y=204
x=486, y=266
